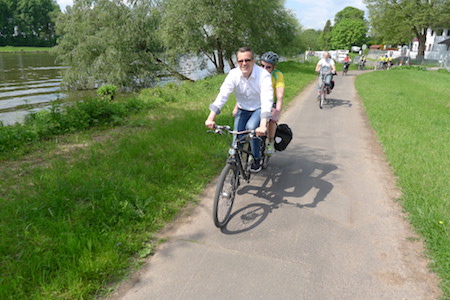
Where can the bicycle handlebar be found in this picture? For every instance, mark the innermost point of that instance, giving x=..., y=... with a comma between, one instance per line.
x=221, y=128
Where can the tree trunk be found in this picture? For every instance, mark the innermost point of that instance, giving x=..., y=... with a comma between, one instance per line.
x=221, y=67
x=422, y=37
x=231, y=62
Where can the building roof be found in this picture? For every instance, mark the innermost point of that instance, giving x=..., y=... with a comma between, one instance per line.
x=447, y=42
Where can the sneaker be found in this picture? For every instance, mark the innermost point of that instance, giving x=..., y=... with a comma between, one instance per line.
x=270, y=149
x=256, y=166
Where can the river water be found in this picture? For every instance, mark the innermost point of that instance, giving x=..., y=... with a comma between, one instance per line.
x=30, y=81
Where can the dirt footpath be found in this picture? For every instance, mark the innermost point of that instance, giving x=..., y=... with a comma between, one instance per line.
x=320, y=223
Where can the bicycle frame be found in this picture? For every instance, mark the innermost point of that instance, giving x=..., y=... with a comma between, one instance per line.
x=239, y=148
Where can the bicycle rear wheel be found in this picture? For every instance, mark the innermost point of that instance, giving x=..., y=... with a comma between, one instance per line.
x=225, y=193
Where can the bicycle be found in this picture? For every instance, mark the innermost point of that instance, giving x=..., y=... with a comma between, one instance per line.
x=324, y=90
x=237, y=167
x=345, y=68
x=362, y=65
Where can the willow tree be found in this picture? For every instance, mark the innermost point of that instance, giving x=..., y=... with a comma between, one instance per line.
x=109, y=41
x=399, y=21
x=217, y=28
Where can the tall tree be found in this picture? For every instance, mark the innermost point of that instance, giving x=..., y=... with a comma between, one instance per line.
x=399, y=21
x=325, y=37
x=349, y=28
x=28, y=22
x=349, y=13
x=310, y=39
x=217, y=28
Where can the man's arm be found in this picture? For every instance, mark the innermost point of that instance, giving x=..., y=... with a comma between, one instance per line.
x=279, y=104
x=226, y=89
x=266, y=97
x=210, y=120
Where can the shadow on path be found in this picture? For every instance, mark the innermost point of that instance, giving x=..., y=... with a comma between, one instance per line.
x=285, y=184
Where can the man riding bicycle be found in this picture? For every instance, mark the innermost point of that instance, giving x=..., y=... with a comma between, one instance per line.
x=269, y=62
x=252, y=86
x=326, y=68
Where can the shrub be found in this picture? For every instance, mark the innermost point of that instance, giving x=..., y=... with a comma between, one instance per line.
x=417, y=68
x=107, y=91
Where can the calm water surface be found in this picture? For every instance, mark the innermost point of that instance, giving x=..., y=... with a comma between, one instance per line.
x=30, y=81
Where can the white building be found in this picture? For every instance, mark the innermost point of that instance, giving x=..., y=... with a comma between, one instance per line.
x=437, y=45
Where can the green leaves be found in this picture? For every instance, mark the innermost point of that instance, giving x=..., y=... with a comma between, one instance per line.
x=348, y=32
x=218, y=28
x=28, y=22
x=349, y=29
x=109, y=42
x=107, y=91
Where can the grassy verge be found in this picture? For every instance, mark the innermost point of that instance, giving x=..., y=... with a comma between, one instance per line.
x=81, y=210
x=24, y=49
x=410, y=111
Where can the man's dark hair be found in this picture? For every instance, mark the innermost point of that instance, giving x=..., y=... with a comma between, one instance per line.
x=245, y=49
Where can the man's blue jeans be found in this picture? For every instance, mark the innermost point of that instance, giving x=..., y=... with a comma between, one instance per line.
x=249, y=120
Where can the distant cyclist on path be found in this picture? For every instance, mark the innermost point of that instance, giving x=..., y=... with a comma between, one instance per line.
x=326, y=68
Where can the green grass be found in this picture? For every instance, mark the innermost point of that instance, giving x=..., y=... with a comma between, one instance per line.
x=80, y=211
x=410, y=111
x=24, y=49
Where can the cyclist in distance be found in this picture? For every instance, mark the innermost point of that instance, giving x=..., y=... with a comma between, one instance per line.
x=362, y=62
x=325, y=66
x=254, y=96
x=347, y=61
x=269, y=61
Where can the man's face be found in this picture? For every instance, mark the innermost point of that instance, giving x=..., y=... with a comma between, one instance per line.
x=245, y=62
x=267, y=66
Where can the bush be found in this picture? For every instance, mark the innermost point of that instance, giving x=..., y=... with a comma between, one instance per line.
x=445, y=71
x=107, y=91
x=80, y=116
x=417, y=68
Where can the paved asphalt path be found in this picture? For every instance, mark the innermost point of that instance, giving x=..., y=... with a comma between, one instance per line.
x=320, y=223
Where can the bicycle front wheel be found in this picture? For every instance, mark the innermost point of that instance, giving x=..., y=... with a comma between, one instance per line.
x=322, y=99
x=225, y=193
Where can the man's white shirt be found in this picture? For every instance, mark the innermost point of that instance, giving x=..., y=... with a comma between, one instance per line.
x=251, y=94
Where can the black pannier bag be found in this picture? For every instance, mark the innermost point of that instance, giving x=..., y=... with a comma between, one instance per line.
x=283, y=137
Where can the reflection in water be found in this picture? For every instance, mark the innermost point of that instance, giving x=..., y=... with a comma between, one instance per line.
x=30, y=81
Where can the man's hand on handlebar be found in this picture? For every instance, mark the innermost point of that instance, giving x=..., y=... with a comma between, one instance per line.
x=261, y=131
x=210, y=124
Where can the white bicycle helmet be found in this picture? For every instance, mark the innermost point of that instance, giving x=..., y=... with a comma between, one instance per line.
x=270, y=57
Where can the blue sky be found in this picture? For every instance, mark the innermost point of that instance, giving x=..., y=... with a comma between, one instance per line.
x=315, y=13
x=311, y=13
